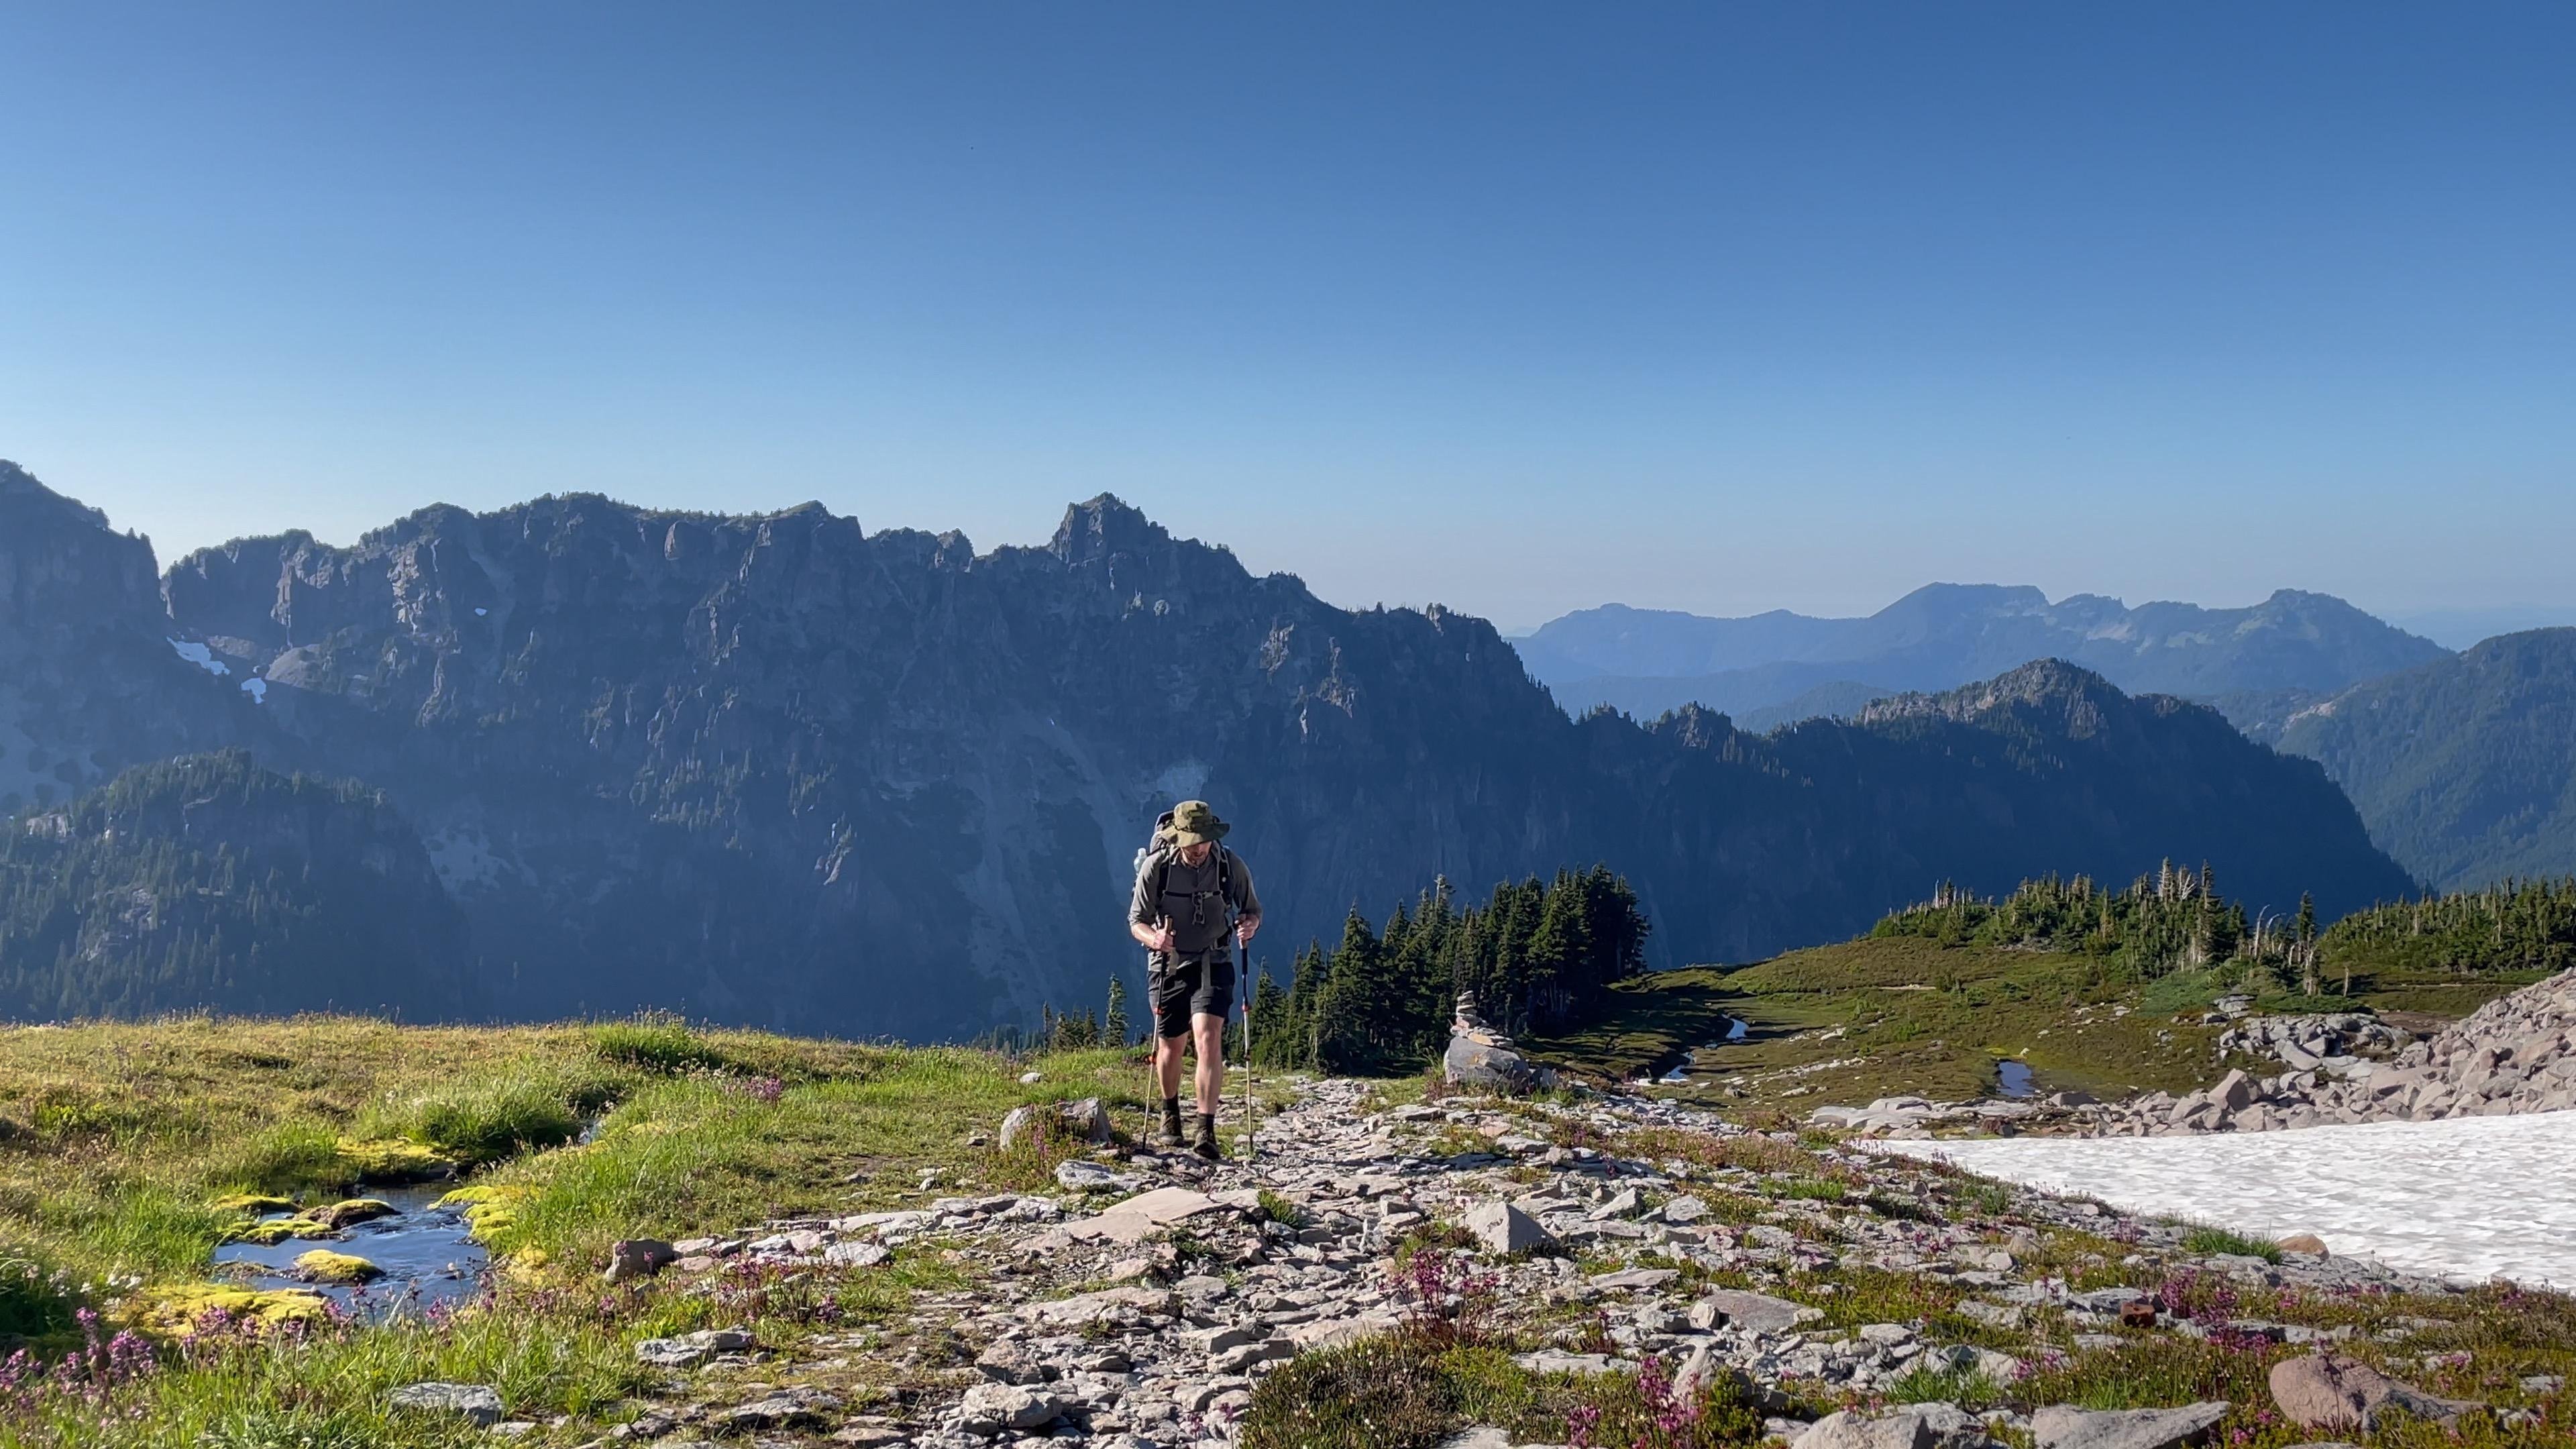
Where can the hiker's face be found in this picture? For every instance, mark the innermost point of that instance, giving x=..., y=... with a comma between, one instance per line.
x=1197, y=854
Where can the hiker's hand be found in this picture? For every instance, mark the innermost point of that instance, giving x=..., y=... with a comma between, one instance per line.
x=1244, y=928
x=1160, y=939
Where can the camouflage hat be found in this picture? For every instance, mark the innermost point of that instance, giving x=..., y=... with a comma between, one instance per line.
x=1194, y=822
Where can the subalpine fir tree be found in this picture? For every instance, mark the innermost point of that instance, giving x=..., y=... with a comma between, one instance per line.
x=1114, y=1025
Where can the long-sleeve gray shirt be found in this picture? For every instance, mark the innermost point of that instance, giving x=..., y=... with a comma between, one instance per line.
x=1190, y=900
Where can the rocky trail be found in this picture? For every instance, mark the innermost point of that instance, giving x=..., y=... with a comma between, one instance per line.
x=1142, y=1305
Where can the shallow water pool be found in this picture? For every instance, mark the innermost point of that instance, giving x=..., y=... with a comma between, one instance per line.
x=422, y=1249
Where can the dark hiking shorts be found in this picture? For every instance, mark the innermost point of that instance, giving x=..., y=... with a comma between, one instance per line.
x=1185, y=985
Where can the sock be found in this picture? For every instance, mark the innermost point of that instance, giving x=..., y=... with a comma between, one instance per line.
x=1172, y=1108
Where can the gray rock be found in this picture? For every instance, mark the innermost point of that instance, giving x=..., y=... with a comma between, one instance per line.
x=1646, y=1279
x=638, y=1258
x=1619, y=1205
x=1915, y=1426
x=1756, y=1312
x=856, y=1255
x=477, y=1404
x=786, y=1409
x=2063, y=1426
x=1499, y=1227
x=1557, y=1361
x=1075, y=1175
x=991, y=1410
x=1086, y=1120
x=1476, y=1064
x=691, y=1349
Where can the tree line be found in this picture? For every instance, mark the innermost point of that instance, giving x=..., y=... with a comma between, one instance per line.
x=1538, y=955
x=2516, y=925
x=2174, y=919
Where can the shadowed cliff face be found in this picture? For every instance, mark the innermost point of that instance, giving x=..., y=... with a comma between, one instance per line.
x=89, y=681
x=782, y=771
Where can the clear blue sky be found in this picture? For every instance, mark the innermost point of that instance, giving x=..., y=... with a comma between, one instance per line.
x=1519, y=308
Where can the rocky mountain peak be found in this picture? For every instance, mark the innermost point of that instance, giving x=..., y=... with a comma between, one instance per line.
x=64, y=573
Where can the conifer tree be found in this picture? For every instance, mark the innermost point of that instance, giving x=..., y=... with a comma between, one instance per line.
x=1114, y=1026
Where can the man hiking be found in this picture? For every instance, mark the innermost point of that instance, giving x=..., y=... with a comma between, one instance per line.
x=1194, y=900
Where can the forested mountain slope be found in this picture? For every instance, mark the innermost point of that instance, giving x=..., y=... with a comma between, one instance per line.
x=2465, y=770
x=206, y=881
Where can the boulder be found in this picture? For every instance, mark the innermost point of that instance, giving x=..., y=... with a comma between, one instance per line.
x=1915, y=1426
x=1489, y=1068
x=1499, y=1227
x=2064, y=1426
x=1009, y=1361
x=1644, y=1279
x=1076, y=1175
x=2330, y=1391
x=1085, y=1121
x=477, y=1404
x=990, y=1410
x=321, y=1266
x=638, y=1258
x=352, y=1210
x=856, y=1255
x=1754, y=1312
x=2307, y=1243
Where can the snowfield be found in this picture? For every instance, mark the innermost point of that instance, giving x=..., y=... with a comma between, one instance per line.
x=2474, y=1197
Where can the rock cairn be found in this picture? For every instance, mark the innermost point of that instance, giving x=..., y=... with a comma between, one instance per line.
x=1481, y=1057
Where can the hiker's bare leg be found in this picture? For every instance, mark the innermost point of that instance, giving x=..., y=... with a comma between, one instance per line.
x=1210, y=1031
x=1167, y=1063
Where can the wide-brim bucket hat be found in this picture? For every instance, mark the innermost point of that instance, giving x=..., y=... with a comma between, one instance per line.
x=1194, y=822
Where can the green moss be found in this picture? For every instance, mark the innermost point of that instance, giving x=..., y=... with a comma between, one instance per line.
x=251, y=1202
x=394, y=1159
x=352, y=1210
x=491, y=1209
x=178, y=1308
x=270, y=1233
x=324, y=1266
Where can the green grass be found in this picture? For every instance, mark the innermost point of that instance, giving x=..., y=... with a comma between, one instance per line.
x=1907, y=1015
x=116, y=1139
x=2220, y=1240
x=659, y=1042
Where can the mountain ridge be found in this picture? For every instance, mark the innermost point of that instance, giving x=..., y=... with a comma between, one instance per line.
x=777, y=769
x=1941, y=636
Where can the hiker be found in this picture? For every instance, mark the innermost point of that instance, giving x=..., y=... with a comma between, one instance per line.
x=1193, y=901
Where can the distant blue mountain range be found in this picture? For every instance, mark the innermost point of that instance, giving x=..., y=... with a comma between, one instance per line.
x=1767, y=668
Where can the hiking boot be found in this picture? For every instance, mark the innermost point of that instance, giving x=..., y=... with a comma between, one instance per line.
x=1203, y=1142
x=1170, y=1134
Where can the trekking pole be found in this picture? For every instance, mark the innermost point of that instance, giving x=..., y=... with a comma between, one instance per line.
x=1251, y=1132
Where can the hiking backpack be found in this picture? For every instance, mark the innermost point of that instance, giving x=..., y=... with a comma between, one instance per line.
x=1162, y=847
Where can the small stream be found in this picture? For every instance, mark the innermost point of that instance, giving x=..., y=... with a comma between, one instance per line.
x=423, y=1250
x=1736, y=1030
